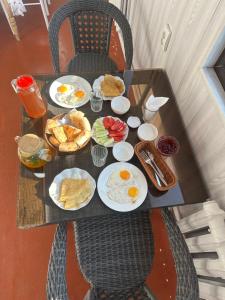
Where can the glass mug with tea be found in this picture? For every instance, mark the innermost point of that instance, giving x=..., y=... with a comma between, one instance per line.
x=33, y=151
x=26, y=88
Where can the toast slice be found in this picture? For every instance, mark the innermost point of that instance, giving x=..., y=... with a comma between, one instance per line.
x=60, y=134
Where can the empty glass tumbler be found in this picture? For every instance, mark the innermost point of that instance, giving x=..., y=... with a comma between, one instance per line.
x=96, y=102
x=99, y=155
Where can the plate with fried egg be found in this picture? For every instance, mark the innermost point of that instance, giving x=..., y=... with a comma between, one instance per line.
x=70, y=91
x=122, y=186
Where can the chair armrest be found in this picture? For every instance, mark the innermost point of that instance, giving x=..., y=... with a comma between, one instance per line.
x=56, y=287
x=187, y=280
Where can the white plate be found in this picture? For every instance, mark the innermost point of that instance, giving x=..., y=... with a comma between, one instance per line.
x=103, y=188
x=97, y=86
x=73, y=80
x=123, y=151
x=74, y=173
x=111, y=145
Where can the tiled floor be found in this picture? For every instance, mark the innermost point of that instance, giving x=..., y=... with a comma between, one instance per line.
x=24, y=254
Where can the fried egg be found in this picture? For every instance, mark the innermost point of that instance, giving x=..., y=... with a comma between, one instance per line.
x=65, y=89
x=78, y=95
x=120, y=178
x=124, y=194
x=64, y=92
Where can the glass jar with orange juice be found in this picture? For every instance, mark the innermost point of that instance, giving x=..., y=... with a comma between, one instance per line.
x=26, y=88
x=33, y=151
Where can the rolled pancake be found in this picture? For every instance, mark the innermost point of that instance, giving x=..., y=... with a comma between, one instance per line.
x=74, y=192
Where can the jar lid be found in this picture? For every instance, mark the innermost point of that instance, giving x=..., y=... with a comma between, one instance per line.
x=30, y=143
x=24, y=81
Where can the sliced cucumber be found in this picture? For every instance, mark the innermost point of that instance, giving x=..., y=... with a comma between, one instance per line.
x=109, y=142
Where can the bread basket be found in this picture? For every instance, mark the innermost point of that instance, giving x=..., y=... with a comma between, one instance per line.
x=46, y=135
x=167, y=172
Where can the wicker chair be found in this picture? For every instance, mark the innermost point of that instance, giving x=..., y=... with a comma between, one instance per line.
x=91, y=23
x=115, y=255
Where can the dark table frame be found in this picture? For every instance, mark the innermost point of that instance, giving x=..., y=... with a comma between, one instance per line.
x=34, y=206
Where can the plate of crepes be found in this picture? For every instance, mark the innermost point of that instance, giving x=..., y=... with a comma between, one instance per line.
x=72, y=189
x=70, y=91
x=109, y=86
x=122, y=186
x=107, y=131
x=68, y=133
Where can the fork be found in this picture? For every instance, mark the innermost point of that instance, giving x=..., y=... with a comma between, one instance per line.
x=151, y=156
x=149, y=162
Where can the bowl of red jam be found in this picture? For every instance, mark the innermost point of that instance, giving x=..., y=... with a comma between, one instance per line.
x=168, y=145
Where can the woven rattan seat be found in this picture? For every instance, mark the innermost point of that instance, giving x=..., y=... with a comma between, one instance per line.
x=94, y=61
x=115, y=252
x=115, y=255
x=91, y=24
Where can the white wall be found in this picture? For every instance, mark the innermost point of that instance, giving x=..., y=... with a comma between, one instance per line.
x=196, y=25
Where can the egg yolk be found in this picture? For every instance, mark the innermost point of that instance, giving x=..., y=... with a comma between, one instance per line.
x=79, y=94
x=133, y=191
x=62, y=89
x=124, y=174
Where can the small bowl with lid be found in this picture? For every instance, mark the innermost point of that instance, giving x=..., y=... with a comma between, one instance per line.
x=133, y=122
x=123, y=151
x=147, y=132
x=120, y=105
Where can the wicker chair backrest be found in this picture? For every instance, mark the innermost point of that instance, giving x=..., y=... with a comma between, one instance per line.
x=91, y=23
x=91, y=31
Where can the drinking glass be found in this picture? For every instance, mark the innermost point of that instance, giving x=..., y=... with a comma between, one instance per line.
x=96, y=102
x=148, y=114
x=99, y=155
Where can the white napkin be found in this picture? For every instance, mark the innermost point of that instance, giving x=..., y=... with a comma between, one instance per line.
x=154, y=103
x=17, y=7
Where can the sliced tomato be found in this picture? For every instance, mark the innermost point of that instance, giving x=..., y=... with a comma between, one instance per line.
x=106, y=122
x=121, y=127
x=111, y=122
x=118, y=138
x=116, y=125
x=116, y=134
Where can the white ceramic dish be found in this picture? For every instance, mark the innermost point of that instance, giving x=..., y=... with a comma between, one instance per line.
x=133, y=122
x=75, y=173
x=75, y=81
x=120, y=105
x=123, y=151
x=103, y=188
x=111, y=145
x=147, y=132
x=97, y=86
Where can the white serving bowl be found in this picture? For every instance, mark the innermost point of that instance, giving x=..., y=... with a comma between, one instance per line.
x=123, y=151
x=147, y=132
x=120, y=105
